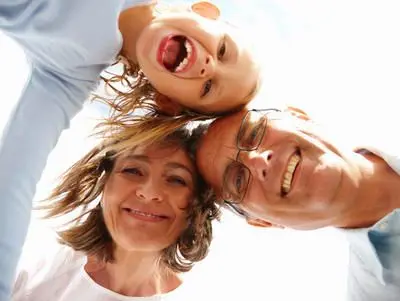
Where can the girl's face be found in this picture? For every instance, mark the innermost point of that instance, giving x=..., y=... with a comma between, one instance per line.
x=146, y=197
x=197, y=62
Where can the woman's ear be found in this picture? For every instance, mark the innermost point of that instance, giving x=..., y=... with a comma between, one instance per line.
x=261, y=223
x=167, y=105
x=297, y=113
x=206, y=9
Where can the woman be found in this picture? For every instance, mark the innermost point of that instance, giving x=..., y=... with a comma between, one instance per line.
x=191, y=58
x=141, y=215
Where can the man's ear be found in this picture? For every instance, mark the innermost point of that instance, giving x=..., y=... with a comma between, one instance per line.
x=260, y=223
x=297, y=113
x=206, y=9
x=167, y=105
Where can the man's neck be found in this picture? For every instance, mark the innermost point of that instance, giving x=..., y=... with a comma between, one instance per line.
x=378, y=194
x=136, y=274
x=132, y=22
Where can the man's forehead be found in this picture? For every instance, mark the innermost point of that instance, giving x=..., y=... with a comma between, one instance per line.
x=218, y=147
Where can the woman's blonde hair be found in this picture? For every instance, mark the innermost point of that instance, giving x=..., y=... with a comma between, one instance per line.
x=82, y=185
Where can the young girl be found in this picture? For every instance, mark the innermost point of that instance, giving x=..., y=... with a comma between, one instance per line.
x=193, y=60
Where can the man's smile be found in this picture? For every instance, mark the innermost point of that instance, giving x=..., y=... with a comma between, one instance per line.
x=289, y=172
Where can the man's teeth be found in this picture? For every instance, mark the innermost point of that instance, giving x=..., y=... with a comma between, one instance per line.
x=288, y=176
x=185, y=61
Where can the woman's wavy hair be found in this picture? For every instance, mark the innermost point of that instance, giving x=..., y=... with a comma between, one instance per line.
x=82, y=185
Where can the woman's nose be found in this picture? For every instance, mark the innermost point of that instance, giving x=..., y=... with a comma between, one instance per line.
x=149, y=191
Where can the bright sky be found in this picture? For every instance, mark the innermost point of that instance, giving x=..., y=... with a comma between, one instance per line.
x=337, y=59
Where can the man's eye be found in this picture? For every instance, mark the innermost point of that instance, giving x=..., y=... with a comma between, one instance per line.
x=221, y=51
x=255, y=132
x=239, y=180
x=133, y=171
x=251, y=138
x=206, y=88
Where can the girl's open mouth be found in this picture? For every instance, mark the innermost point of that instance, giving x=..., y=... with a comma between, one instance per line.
x=176, y=53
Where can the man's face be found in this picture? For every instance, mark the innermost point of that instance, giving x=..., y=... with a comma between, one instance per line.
x=295, y=178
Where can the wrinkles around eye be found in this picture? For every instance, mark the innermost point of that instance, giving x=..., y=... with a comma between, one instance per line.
x=250, y=139
x=177, y=181
x=235, y=180
x=132, y=171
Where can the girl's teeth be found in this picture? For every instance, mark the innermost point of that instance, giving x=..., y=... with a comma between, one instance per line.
x=182, y=65
x=188, y=47
x=185, y=61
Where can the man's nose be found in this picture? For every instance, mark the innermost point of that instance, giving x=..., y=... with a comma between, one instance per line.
x=258, y=163
x=149, y=191
x=207, y=69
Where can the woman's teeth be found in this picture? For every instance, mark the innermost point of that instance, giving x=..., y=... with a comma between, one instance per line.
x=288, y=176
x=143, y=213
x=185, y=61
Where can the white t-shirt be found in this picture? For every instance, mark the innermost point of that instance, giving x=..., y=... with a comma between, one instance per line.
x=60, y=276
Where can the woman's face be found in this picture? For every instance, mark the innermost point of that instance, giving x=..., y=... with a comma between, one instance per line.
x=197, y=62
x=146, y=197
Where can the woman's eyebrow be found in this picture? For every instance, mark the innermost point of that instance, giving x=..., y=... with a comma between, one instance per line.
x=177, y=165
x=138, y=157
x=174, y=165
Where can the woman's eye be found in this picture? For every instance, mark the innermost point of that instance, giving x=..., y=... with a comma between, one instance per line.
x=133, y=171
x=206, y=88
x=177, y=180
x=221, y=51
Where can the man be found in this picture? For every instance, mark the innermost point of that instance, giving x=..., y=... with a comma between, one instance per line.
x=279, y=169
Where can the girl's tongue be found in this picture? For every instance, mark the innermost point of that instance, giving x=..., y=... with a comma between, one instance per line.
x=174, y=53
x=171, y=52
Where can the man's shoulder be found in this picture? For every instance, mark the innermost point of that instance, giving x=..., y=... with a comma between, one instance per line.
x=374, y=260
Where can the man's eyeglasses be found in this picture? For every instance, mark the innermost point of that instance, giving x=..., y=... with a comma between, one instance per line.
x=237, y=176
